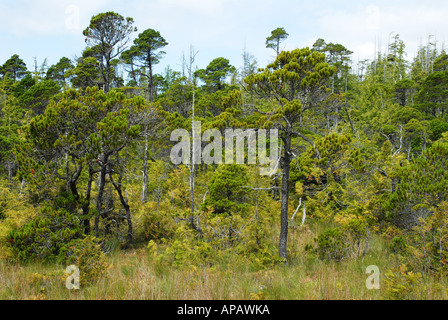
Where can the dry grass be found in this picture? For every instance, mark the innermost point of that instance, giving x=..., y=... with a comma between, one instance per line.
x=133, y=275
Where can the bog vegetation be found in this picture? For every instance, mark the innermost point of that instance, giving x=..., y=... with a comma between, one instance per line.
x=361, y=178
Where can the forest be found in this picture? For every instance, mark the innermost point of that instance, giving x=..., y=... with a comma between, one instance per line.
x=354, y=206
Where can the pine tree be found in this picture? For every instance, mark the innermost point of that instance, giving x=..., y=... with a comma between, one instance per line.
x=109, y=33
x=295, y=80
x=14, y=68
x=145, y=54
x=277, y=36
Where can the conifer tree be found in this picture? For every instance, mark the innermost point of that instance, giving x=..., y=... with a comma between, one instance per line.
x=215, y=73
x=295, y=81
x=14, y=68
x=277, y=36
x=109, y=33
x=58, y=71
x=145, y=54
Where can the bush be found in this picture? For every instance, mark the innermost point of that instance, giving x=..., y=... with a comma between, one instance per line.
x=87, y=255
x=426, y=248
x=226, y=194
x=398, y=245
x=346, y=241
x=332, y=244
x=356, y=230
x=45, y=236
x=402, y=284
x=156, y=225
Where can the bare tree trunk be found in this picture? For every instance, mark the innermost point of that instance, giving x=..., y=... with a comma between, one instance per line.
x=303, y=215
x=193, y=162
x=101, y=184
x=286, y=163
x=194, y=224
x=10, y=171
x=145, y=171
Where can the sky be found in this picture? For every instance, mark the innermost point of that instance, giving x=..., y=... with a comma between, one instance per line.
x=51, y=29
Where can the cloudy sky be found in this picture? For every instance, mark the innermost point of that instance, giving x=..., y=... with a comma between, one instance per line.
x=51, y=29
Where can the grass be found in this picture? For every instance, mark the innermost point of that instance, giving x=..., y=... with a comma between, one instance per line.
x=134, y=275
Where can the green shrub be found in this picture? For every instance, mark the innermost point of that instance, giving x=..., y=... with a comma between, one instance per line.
x=332, y=244
x=402, y=284
x=398, y=245
x=87, y=255
x=226, y=192
x=424, y=247
x=45, y=236
x=356, y=233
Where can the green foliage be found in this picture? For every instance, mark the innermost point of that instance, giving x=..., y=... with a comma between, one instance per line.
x=85, y=73
x=277, y=36
x=227, y=192
x=38, y=96
x=362, y=151
x=88, y=256
x=339, y=56
x=215, y=74
x=423, y=185
x=401, y=284
x=58, y=71
x=145, y=54
x=426, y=250
x=14, y=68
x=44, y=237
x=433, y=94
x=398, y=245
x=332, y=244
x=107, y=33
x=437, y=128
x=156, y=225
x=346, y=241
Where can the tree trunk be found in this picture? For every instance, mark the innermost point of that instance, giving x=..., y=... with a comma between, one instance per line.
x=126, y=209
x=145, y=172
x=107, y=75
x=285, y=193
x=102, y=182
x=10, y=171
x=86, y=205
x=151, y=82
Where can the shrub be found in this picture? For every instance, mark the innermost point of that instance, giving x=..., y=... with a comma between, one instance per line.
x=356, y=230
x=157, y=225
x=332, y=244
x=45, y=236
x=226, y=194
x=398, y=245
x=349, y=240
x=402, y=284
x=87, y=255
x=426, y=245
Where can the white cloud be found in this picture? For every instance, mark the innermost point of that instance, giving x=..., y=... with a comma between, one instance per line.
x=358, y=29
x=223, y=27
x=47, y=17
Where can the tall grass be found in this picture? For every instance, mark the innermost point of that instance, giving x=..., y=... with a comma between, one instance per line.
x=134, y=275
